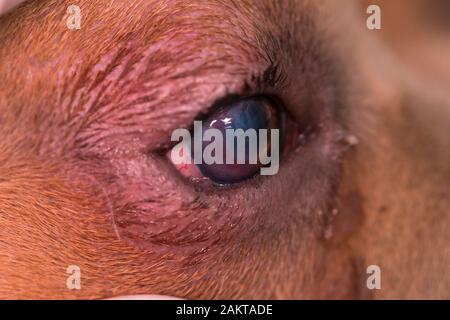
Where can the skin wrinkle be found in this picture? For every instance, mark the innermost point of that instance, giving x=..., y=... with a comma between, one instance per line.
x=127, y=118
x=86, y=111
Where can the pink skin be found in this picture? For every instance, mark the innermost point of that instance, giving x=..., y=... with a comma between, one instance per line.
x=7, y=5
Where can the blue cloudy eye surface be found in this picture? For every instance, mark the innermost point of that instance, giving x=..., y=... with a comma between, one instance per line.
x=250, y=113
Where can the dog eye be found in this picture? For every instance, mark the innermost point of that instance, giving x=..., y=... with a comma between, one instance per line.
x=235, y=142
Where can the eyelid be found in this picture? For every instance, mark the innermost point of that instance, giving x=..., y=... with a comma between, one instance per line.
x=265, y=82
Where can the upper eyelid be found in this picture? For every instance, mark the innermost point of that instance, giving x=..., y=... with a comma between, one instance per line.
x=169, y=100
x=251, y=83
x=273, y=78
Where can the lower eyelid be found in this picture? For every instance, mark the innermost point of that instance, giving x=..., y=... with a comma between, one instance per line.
x=188, y=217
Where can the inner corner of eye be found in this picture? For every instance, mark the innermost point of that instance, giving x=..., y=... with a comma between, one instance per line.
x=233, y=143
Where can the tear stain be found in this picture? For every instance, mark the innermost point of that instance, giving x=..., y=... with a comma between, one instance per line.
x=345, y=212
x=345, y=218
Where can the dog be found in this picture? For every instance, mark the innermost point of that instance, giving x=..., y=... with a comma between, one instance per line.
x=86, y=114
